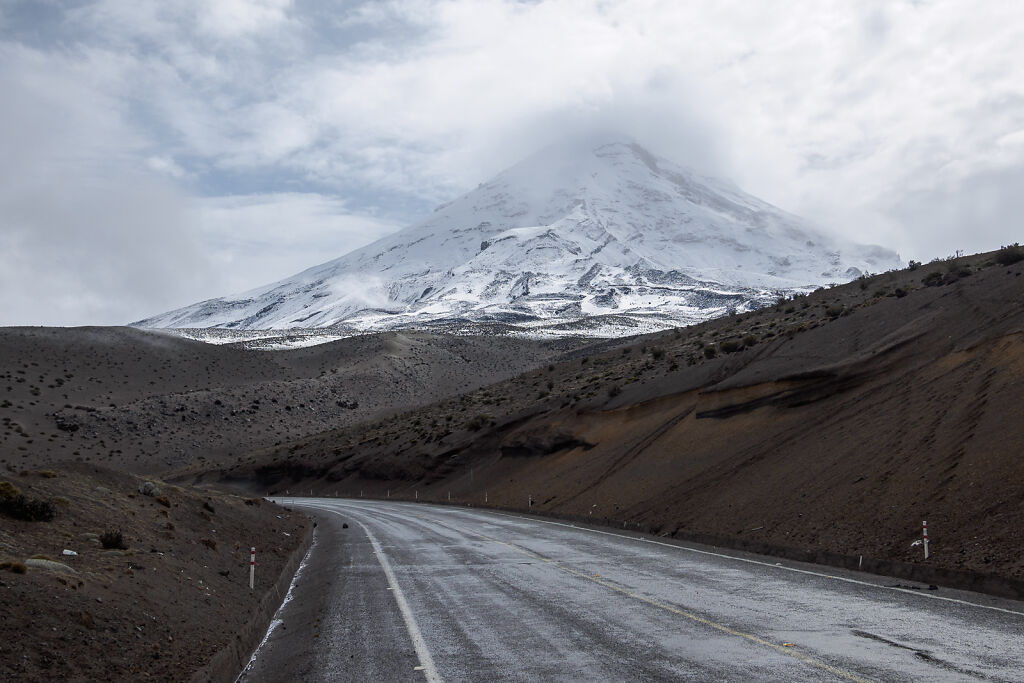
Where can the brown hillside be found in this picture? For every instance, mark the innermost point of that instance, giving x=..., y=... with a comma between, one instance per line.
x=835, y=421
x=152, y=402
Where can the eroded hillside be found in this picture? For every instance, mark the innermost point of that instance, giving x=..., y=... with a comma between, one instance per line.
x=833, y=421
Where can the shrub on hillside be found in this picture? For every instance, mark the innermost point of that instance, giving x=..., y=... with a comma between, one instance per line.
x=14, y=504
x=13, y=566
x=113, y=540
x=1010, y=254
x=478, y=423
x=731, y=345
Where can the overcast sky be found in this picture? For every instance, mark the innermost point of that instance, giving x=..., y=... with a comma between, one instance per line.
x=156, y=153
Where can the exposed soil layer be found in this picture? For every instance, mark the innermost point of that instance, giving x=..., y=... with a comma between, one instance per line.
x=836, y=421
x=160, y=607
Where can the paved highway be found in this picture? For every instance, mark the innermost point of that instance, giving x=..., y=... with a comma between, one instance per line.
x=428, y=593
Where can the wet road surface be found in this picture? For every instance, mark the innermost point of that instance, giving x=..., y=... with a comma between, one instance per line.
x=428, y=593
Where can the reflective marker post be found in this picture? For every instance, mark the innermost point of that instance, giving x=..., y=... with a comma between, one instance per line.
x=252, y=566
x=924, y=528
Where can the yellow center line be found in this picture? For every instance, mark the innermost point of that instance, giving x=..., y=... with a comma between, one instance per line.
x=788, y=651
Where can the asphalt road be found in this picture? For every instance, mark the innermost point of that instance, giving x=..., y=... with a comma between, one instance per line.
x=428, y=593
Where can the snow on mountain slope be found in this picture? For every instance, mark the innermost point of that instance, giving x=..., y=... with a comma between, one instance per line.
x=575, y=231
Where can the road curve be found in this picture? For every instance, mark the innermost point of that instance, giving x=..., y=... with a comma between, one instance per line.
x=428, y=593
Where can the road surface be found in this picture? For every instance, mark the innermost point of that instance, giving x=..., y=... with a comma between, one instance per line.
x=429, y=593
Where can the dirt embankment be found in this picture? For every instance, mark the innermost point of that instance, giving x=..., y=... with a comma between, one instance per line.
x=836, y=421
x=169, y=594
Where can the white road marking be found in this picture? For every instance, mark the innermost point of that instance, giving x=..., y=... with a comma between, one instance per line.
x=277, y=621
x=426, y=661
x=595, y=578
x=765, y=564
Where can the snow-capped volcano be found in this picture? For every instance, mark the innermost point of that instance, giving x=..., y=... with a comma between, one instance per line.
x=575, y=231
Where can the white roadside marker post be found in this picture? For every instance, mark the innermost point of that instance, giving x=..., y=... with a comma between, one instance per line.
x=252, y=566
x=531, y=502
x=924, y=528
x=449, y=496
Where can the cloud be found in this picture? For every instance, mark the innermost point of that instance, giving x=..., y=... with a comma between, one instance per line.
x=253, y=240
x=96, y=228
x=86, y=234
x=895, y=122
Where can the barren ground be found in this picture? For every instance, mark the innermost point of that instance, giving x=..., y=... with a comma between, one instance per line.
x=158, y=609
x=836, y=421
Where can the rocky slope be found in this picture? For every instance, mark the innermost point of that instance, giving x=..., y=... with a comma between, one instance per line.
x=581, y=231
x=152, y=402
x=163, y=605
x=835, y=421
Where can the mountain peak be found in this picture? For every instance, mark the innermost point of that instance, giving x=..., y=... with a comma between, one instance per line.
x=593, y=225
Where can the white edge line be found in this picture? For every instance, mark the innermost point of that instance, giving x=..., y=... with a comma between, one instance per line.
x=426, y=661
x=277, y=621
x=765, y=564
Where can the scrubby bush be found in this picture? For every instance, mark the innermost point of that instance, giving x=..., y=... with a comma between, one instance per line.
x=478, y=423
x=13, y=566
x=834, y=311
x=932, y=279
x=1010, y=254
x=749, y=340
x=113, y=539
x=731, y=345
x=614, y=391
x=710, y=352
x=14, y=504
